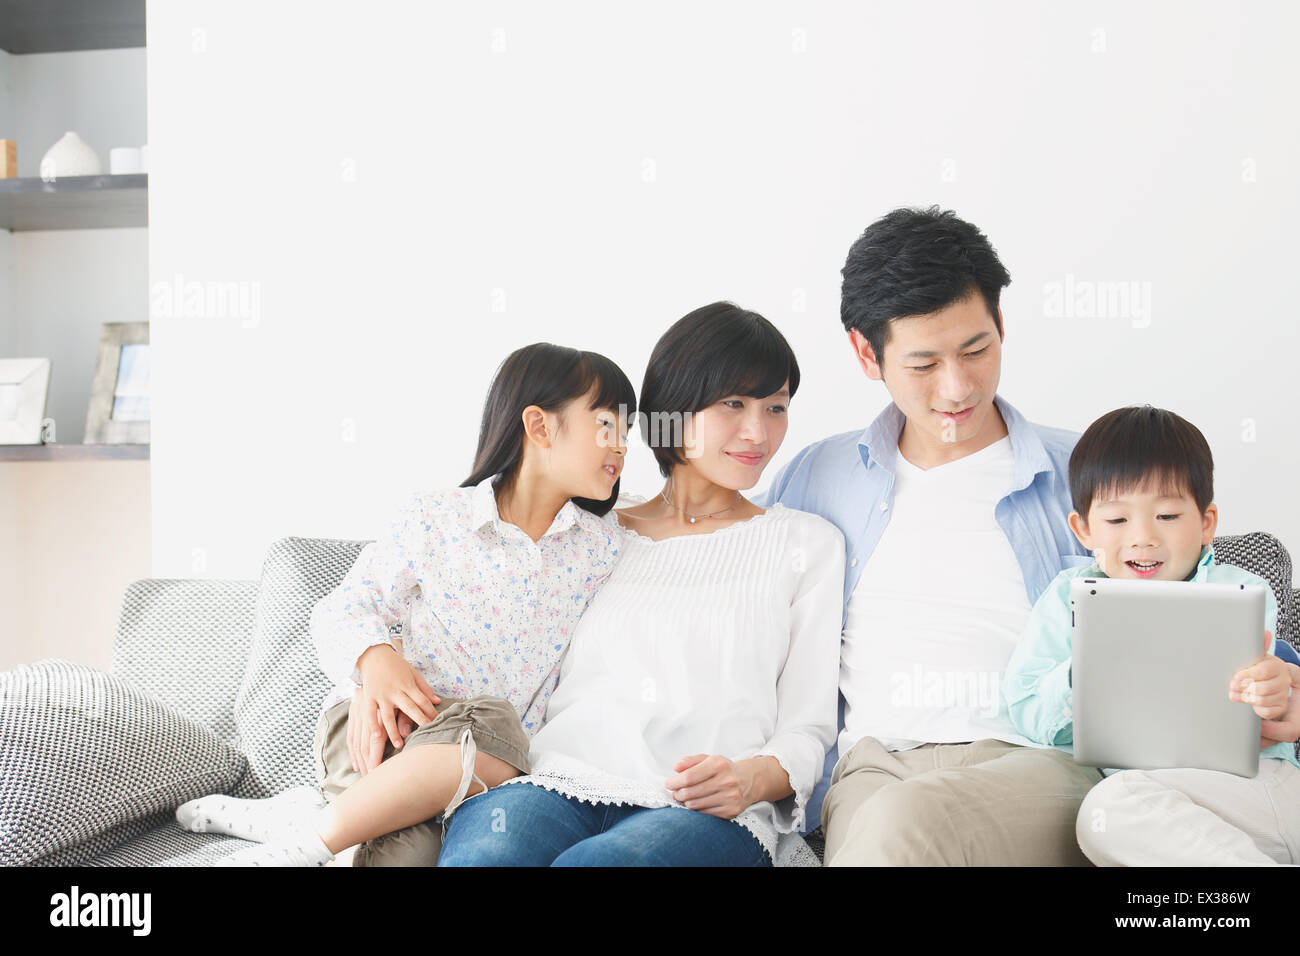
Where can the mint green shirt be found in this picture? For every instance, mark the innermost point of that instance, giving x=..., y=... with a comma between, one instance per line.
x=1037, y=681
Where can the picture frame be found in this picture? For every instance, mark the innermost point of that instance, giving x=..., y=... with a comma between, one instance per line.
x=119, y=411
x=24, y=387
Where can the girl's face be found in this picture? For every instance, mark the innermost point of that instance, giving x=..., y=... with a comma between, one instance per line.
x=587, y=451
x=732, y=440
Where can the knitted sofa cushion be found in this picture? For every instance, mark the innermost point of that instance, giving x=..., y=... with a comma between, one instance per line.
x=89, y=761
x=283, y=686
x=1262, y=554
x=186, y=642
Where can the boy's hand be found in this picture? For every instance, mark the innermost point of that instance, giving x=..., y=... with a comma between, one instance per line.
x=1265, y=685
x=1287, y=729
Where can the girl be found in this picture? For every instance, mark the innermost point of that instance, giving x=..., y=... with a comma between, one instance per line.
x=485, y=582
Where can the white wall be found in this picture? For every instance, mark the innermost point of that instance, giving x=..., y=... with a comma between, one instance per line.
x=403, y=194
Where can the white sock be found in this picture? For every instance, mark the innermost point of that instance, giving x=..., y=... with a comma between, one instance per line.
x=257, y=820
x=296, y=847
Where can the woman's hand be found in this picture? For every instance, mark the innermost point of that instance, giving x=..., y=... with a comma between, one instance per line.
x=712, y=784
x=393, y=699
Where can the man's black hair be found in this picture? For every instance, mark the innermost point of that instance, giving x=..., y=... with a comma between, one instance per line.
x=914, y=262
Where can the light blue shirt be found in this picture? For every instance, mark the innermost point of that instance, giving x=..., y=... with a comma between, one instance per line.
x=848, y=479
x=1037, y=681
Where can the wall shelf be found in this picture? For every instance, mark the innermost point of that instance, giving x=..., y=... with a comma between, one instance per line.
x=74, y=202
x=73, y=452
x=43, y=26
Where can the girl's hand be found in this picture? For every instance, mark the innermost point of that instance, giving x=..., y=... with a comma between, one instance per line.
x=366, y=739
x=712, y=784
x=1265, y=685
x=389, y=687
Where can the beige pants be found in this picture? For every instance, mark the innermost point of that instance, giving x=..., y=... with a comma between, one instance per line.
x=491, y=721
x=1194, y=818
x=987, y=803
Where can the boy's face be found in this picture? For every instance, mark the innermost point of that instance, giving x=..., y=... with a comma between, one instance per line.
x=1145, y=534
x=941, y=370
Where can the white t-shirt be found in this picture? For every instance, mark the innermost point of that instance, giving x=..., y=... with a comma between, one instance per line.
x=937, y=612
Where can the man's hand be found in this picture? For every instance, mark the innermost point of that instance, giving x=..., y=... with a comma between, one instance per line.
x=390, y=689
x=1286, y=729
x=1265, y=685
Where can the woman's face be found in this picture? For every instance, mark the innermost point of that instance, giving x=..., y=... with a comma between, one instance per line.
x=732, y=440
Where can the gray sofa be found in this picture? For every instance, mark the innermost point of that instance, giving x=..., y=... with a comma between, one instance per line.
x=227, y=675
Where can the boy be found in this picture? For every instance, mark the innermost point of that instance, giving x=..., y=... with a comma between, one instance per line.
x=1141, y=480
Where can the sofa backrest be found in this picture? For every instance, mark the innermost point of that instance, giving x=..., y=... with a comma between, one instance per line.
x=238, y=657
x=186, y=642
x=279, y=698
x=1262, y=554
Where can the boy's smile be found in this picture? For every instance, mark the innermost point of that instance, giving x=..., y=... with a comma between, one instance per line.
x=1146, y=533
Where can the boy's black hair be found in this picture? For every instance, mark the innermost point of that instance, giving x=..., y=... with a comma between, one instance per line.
x=914, y=262
x=1141, y=447
x=718, y=350
x=548, y=376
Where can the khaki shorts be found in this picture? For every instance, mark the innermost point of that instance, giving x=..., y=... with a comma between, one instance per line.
x=478, y=724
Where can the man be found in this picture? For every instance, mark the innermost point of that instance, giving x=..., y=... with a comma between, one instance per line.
x=954, y=510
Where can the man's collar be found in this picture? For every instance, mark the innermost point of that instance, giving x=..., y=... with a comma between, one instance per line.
x=878, y=443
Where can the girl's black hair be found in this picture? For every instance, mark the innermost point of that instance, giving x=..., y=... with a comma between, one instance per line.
x=718, y=350
x=547, y=376
x=1141, y=447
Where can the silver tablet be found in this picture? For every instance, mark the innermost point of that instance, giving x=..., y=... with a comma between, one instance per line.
x=1150, y=672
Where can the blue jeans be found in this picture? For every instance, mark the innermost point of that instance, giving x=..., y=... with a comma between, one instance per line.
x=523, y=824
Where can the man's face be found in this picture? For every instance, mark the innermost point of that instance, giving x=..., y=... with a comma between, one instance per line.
x=1146, y=534
x=941, y=370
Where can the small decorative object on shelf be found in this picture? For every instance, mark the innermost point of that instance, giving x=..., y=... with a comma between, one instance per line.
x=8, y=159
x=119, y=396
x=125, y=159
x=24, y=383
x=70, y=156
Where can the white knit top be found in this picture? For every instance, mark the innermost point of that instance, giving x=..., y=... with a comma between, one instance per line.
x=721, y=643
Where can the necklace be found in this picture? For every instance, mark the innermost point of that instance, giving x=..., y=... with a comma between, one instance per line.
x=693, y=518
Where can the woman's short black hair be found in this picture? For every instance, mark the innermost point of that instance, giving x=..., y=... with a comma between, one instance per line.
x=718, y=350
x=547, y=376
x=914, y=262
x=1141, y=447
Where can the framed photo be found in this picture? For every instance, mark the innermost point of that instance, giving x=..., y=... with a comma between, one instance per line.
x=24, y=383
x=119, y=395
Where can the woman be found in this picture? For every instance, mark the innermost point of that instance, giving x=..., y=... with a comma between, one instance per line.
x=698, y=696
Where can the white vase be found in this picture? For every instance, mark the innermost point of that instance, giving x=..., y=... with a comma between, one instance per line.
x=70, y=156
